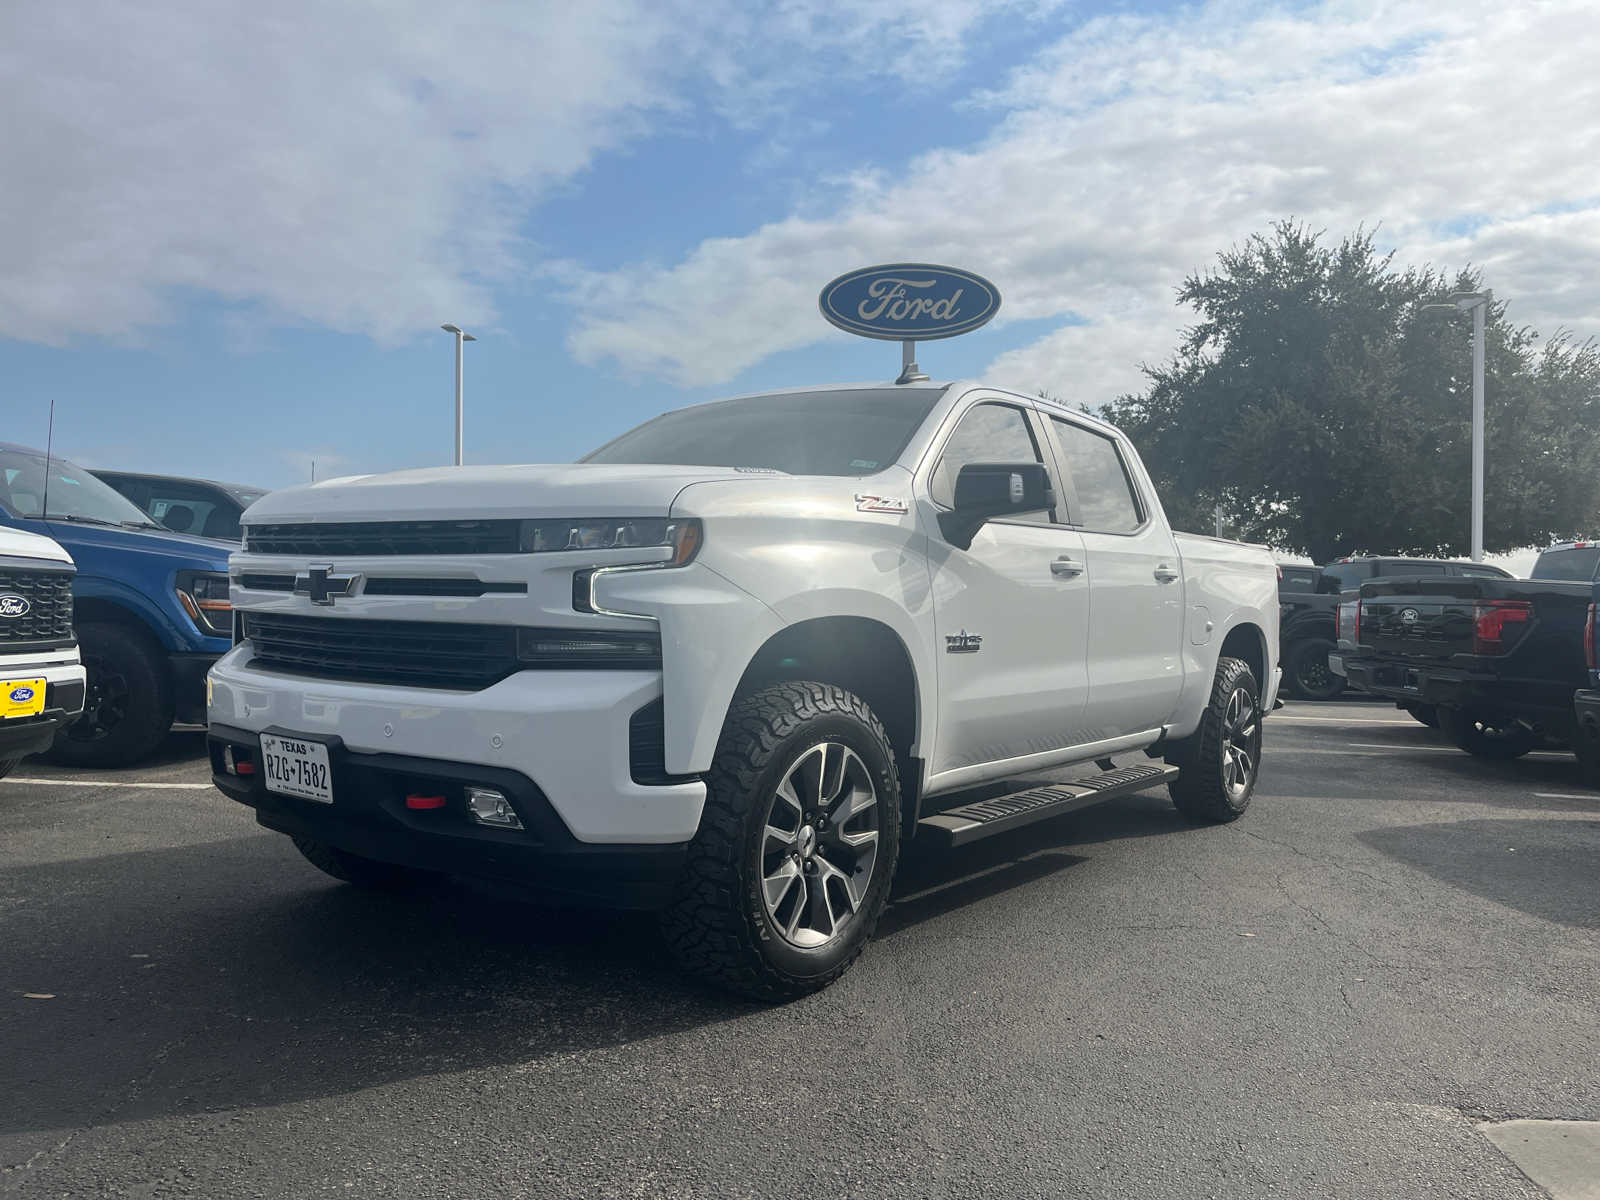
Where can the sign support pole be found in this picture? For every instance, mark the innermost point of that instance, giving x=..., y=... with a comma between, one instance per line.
x=909, y=371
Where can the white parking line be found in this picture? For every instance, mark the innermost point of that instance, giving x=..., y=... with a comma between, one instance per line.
x=1565, y=796
x=127, y=783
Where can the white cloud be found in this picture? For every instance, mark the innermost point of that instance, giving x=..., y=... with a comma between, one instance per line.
x=368, y=167
x=1128, y=153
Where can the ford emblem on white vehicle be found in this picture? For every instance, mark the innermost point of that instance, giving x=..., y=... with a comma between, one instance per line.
x=909, y=302
x=13, y=606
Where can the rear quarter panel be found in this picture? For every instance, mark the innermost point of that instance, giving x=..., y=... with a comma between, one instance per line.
x=1226, y=585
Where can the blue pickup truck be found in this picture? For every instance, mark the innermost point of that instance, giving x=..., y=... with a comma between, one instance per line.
x=150, y=606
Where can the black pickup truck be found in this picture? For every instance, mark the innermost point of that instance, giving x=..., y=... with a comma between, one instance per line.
x=1309, y=596
x=1498, y=660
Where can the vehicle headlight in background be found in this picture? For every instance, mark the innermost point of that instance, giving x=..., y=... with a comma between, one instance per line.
x=612, y=533
x=204, y=596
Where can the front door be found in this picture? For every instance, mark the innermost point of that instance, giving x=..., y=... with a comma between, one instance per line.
x=1011, y=613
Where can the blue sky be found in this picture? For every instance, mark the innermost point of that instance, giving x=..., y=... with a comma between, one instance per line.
x=230, y=246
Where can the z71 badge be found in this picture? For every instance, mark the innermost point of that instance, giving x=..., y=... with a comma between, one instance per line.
x=866, y=502
x=962, y=643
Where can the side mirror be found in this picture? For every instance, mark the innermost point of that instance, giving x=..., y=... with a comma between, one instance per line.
x=985, y=491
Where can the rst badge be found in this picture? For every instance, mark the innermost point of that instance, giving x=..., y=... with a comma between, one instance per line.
x=962, y=643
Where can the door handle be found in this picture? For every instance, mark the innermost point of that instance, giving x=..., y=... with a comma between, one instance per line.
x=1165, y=574
x=1066, y=568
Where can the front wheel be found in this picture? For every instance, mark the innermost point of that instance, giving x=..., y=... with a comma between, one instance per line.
x=1486, y=735
x=1218, y=764
x=790, y=869
x=1310, y=676
x=129, y=706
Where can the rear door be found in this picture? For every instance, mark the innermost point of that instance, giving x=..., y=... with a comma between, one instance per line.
x=1136, y=603
x=1011, y=613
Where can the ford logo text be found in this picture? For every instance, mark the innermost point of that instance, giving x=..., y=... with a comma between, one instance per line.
x=909, y=302
x=13, y=606
x=21, y=694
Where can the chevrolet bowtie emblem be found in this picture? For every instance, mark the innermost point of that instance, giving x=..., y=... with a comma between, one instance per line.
x=323, y=586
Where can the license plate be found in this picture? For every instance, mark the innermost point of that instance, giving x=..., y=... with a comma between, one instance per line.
x=22, y=698
x=296, y=767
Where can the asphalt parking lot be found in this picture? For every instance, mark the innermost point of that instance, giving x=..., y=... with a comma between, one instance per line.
x=1396, y=943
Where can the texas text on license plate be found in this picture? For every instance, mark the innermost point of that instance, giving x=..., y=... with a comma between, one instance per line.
x=296, y=767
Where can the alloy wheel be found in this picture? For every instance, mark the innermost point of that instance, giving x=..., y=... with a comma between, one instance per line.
x=1241, y=744
x=819, y=845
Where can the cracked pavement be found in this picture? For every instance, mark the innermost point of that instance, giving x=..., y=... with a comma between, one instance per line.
x=1396, y=943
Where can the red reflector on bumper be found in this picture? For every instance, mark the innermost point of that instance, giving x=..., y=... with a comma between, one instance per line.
x=243, y=766
x=413, y=800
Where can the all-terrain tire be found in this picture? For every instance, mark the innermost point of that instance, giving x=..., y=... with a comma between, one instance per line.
x=717, y=924
x=1205, y=791
x=1484, y=737
x=128, y=709
x=1310, y=677
x=363, y=872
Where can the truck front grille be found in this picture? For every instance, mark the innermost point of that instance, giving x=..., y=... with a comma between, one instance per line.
x=424, y=654
x=350, y=538
x=48, y=599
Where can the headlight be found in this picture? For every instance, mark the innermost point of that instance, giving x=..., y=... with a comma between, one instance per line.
x=577, y=649
x=612, y=533
x=204, y=596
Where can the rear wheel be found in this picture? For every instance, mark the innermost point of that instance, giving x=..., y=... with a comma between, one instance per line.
x=128, y=708
x=1487, y=735
x=363, y=872
x=1310, y=676
x=1219, y=763
x=791, y=866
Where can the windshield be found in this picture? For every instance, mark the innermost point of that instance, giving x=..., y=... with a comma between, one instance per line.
x=74, y=493
x=246, y=496
x=1578, y=563
x=803, y=433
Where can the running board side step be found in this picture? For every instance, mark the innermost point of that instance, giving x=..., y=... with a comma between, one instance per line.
x=985, y=818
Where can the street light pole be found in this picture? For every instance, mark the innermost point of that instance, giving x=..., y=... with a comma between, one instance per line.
x=460, y=339
x=1478, y=304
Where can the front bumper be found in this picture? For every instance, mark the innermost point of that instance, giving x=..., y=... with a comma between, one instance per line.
x=369, y=817
x=1586, y=714
x=566, y=732
x=63, y=701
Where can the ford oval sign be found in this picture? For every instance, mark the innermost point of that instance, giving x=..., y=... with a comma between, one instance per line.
x=909, y=302
x=21, y=694
x=13, y=606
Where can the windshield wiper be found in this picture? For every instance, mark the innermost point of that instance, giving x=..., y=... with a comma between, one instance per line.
x=140, y=525
x=78, y=520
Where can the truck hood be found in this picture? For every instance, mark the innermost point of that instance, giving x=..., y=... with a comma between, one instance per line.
x=99, y=548
x=19, y=543
x=561, y=490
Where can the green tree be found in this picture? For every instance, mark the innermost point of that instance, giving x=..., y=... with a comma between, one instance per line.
x=1329, y=415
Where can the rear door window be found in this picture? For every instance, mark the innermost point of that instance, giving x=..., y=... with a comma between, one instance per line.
x=1107, y=501
x=1344, y=577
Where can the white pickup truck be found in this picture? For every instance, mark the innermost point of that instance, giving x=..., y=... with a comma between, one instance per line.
x=41, y=677
x=726, y=663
